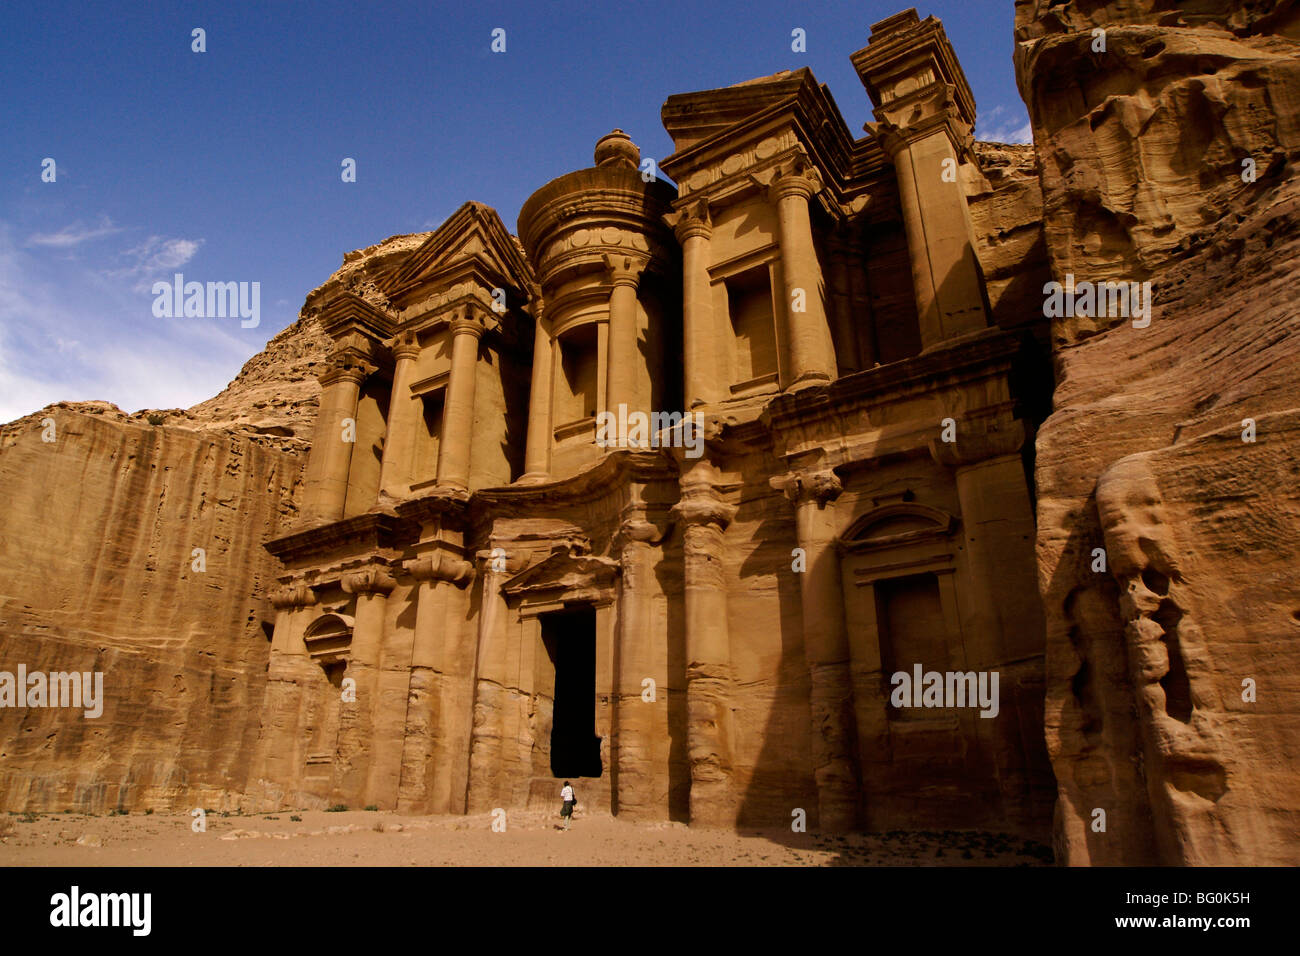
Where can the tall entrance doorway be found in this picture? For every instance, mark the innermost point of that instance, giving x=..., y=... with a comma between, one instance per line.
x=570, y=639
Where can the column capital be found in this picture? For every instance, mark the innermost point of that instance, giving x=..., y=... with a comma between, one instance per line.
x=818, y=487
x=636, y=527
x=691, y=222
x=346, y=369
x=467, y=322
x=515, y=560
x=404, y=346
x=624, y=270
x=702, y=505
x=439, y=566
x=372, y=579
x=292, y=596
x=804, y=182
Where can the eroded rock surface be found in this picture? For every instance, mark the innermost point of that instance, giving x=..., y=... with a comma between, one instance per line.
x=1170, y=157
x=98, y=572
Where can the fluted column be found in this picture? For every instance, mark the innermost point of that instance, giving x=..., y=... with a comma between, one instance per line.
x=537, y=455
x=371, y=586
x=812, y=355
x=624, y=274
x=326, y=483
x=826, y=648
x=702, y=343
x=704, y=516
x=404, y=411
x=458, y=417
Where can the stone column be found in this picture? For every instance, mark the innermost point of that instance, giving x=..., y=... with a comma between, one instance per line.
x=537, y=456
x=492, y=685
x=277, y=763
x=624, y=274
x=326, y=484
x=458, y=417
x=946, y=274
x=634, y=717
x=1002, y=622
x=812, y=355
x=371, y=586
x=404, y=412
x=704, y=515
x=437, y=574
x=924, y=114
x=826, y=648
x=702, y=343
x=845, y=330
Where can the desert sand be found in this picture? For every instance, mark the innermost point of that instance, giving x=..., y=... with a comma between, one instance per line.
x=531, y=838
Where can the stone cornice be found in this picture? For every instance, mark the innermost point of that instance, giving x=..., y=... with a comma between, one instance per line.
x=988, y=352
x=609, y=472
x=348, y=312
x=370, y=531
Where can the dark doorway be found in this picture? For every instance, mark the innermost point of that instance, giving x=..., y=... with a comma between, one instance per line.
x=570, y=639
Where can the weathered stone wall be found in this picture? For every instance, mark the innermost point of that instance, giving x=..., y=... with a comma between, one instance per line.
x=1143, y=147
x=97, y=574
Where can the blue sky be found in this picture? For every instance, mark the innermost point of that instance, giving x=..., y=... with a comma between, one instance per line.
x=225, y=165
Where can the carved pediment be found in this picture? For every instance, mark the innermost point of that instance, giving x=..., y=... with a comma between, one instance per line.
x=348, y=313
x=472, y=245
x=575, y=575
x=897, y=524
x=329, y=637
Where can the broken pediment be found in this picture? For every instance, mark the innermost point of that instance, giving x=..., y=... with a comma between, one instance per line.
x=348, y=313
x=472, y=245
x=564, y=575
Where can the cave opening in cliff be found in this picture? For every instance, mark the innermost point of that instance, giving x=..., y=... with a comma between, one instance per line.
x=570, y=639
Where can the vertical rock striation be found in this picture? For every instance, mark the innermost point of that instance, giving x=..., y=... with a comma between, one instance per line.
x=1168, y=143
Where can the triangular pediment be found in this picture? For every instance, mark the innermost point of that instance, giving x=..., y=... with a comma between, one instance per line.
x=691, y=118
x=471, y=243
x=772, y=114
x=563, y=571
x=347, y=311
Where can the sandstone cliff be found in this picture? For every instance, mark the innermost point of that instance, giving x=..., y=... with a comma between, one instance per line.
x=103, y=512
x=1168, y=144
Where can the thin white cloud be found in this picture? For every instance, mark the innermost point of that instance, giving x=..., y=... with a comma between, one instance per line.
x=74, y=234
x=70, y=333
x=158, y=252
x=1005, y=125
x=150, y=260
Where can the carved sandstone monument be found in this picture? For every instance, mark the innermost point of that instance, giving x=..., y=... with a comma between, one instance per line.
x=486, y=592
x=670, y=494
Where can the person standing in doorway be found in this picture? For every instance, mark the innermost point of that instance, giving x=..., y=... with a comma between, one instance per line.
x=566, y=811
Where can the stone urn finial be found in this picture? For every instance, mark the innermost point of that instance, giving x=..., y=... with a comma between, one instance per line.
x=617, y=149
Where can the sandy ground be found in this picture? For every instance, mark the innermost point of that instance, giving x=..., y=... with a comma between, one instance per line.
x=531, y=838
